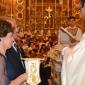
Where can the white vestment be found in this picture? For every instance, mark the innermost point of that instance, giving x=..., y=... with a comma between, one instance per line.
x=73, y=68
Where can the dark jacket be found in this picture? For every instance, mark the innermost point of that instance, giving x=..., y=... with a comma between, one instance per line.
x=45, y=73
x=14, y=65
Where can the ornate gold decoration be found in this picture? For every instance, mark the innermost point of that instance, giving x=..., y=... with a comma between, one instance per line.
x=20, y=16
x=19, y=7
x=20, y=13
x=19, y=1
x=32, y=68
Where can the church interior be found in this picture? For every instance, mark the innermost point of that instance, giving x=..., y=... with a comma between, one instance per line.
x=43, y=16
x=39, y=22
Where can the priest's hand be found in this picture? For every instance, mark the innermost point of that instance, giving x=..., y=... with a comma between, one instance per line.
x=59, y=47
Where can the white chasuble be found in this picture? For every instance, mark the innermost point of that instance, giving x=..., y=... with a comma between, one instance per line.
x=73, y=68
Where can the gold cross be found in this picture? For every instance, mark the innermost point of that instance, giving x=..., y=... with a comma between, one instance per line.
x=49, y=10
